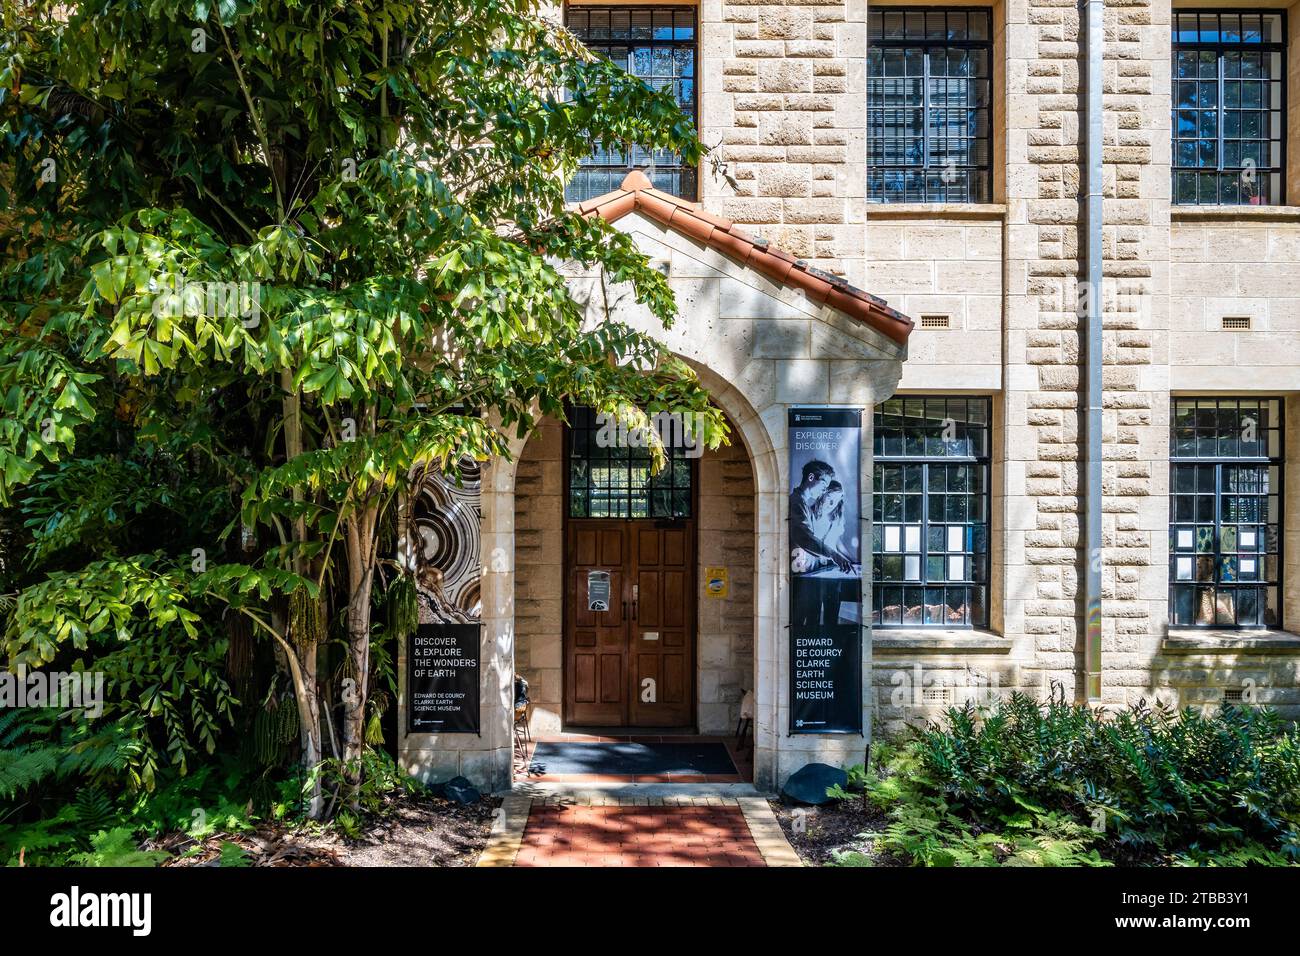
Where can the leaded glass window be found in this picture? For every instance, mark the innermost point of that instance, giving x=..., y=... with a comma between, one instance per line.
x=930, y=512
x=1225, y=512
x=609, y=473
x=929, y=105
x=657, y=44
x=1229, y=121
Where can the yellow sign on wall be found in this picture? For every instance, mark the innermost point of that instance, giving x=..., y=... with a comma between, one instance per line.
x=715, y=582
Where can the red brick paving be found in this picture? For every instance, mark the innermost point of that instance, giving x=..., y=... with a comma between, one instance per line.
x=637, y=836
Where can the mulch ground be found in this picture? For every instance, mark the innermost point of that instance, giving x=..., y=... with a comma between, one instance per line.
x=817, y=833
x=838, y=827
x=414, y=831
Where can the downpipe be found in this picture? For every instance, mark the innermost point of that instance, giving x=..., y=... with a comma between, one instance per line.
x=1092, y=324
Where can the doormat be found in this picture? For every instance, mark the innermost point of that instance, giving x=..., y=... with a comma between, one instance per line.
x=628, y=758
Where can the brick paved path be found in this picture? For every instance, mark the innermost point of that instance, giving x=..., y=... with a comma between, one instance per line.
x=672, y=825
x=638, y=836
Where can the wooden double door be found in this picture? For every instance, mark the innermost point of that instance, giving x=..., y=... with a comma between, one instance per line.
x=632, y=663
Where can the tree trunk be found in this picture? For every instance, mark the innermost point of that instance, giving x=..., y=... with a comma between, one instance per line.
x=354, y=708
x=309, y=718
x=360, y=544
x=304, y=647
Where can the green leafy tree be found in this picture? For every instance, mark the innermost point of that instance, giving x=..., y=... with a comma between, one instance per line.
x=299, y=249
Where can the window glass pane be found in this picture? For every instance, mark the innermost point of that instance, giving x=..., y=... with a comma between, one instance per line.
x=1228, y=123
x=1224, y=532
x=609, y=470
x=658, y=45
x=930, y=540
x=929, y=102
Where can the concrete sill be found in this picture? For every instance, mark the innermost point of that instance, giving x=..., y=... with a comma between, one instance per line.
x=908, y=640
x=1211, y=641
x=935, y=210
x=1235, y=213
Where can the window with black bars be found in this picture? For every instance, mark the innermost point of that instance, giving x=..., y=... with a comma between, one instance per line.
x=609, y=473
x=930, y=512
x=658, y=45
x=929, y=105
x=1225, y=510
x=1229, y=122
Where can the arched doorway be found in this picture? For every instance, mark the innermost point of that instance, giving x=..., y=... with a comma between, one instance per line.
x=663, y=636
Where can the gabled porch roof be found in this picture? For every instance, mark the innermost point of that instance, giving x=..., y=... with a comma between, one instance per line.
x=637, y=194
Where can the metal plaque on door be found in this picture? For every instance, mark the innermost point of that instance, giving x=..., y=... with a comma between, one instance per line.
x=597, y=590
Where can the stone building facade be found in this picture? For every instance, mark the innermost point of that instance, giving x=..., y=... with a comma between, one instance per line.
x=1201, y=345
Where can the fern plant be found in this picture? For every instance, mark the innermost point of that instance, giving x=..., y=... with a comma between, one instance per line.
x=1030, y=783
x=116, y=847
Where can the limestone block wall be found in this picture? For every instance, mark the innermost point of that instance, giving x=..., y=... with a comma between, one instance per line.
x=539, y=574
x=783, y=104
x=1171, y=275
x=1291, y=516
x=1246, y=265
x=725, y=644
x=945, y=263
x=1043, y=336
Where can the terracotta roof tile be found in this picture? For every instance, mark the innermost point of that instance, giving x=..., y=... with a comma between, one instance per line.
x=637, y=193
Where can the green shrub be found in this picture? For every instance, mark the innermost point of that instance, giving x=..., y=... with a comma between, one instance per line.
x=1055, y=783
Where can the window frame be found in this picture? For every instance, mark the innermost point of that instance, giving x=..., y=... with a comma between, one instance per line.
x=1219, y=48
x=693, y=44
x=981, y=461
x=577, y=417
x=985, y=171
x=1214, y=585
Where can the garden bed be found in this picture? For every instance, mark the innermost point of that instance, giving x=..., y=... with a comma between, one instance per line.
x=414, y=830
x=1030, y=783
x=819, y=833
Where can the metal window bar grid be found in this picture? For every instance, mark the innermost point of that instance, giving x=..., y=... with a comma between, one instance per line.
x=962, y=129
x=615, y=481
x=932, y=526
x=659, y=45
x=1246, y=168
x=1225, y=514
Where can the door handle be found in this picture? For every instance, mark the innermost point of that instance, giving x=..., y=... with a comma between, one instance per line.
x=636, y=596
x=625, y=610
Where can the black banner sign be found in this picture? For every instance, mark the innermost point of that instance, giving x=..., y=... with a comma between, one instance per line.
x=825, y=571
x=442, y=665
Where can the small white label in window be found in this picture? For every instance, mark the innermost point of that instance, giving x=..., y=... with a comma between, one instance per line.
x=891, y=539
x=1248, y=540
x=1185, y=539
x=1184, y=569
x=957, y=568
x=913, y=538
x=912, y=567
x=955, y=538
